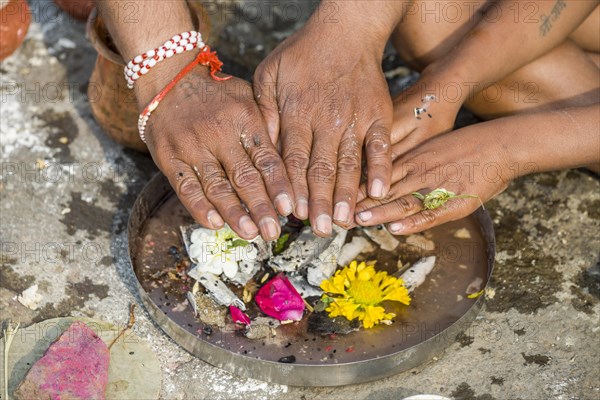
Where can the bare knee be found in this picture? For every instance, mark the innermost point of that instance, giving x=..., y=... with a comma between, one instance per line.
x=429, y=29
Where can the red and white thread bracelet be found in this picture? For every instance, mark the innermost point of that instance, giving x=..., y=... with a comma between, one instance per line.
x=205, y=57
x=141, y=64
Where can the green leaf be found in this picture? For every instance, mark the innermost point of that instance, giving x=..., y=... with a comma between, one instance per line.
x=306, y=222
x=438, y=197
x=239, y=243
x=280, y=243
x=323, y=303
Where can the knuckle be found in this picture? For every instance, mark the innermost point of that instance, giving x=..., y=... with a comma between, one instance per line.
x=270, y=167
x=426, y=217
x=189, y=187
x=403, y=205
x=349, y=164
x=378, y=142
x=321, y=170
x=296, y=163
x=296, y=159
x=243, y=175
x=266, y=160
x=217, y=187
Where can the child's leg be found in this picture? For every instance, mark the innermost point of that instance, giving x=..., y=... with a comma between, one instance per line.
x=565, y=76
x=429, y=29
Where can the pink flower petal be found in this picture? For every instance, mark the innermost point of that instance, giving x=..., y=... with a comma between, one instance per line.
x=279, y=299
x=238, y=316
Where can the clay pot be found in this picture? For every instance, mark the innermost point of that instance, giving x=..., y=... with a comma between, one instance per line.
x=15, y=18
x=78, y=9
x=113, y=105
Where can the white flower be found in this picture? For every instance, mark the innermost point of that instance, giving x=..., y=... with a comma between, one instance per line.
x=219, y=252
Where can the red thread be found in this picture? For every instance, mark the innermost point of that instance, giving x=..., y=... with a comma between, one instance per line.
x=210, y=59
x=205, y=57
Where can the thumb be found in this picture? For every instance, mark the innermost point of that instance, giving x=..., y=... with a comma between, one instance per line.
x=265, y=84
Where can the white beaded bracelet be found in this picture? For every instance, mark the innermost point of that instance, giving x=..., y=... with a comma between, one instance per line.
x=141, y=64
x=205, y=57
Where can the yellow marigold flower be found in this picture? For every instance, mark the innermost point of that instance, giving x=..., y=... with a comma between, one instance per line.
x=357, y=290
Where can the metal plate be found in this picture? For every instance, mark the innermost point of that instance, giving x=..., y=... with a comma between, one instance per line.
x=439, y=311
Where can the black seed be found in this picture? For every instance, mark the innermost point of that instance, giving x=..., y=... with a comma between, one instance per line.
x=288, y=359
x=429, y=115
x=207, y=330
x=131, y=353
x=288, y=345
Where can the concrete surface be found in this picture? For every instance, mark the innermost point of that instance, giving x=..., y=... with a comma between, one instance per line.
x=66, y=191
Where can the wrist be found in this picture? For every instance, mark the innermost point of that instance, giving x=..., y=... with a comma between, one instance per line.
x=452, y=83
x=148, y=86
x=357, y=22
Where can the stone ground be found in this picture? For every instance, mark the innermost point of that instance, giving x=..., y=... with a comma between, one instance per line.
x=66, y=192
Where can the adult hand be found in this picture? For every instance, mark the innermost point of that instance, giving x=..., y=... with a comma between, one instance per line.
x=470, y=161
x=210, y=140
x=323, y=95
x=207, y=137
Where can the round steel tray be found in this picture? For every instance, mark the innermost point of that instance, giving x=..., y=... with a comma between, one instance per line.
x=379, y=358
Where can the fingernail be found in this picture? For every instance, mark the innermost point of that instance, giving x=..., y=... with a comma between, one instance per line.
x=376, y=189
x=269, y=228
x=341, y=212
x=248, y=227
x=215, y=219
x=284, y=204
x=323, y=224
x=365, y=216
x=302, y=208
x=396, y=227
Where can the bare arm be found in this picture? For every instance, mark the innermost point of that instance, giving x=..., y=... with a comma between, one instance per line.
x=147, y=27
x=553, y=140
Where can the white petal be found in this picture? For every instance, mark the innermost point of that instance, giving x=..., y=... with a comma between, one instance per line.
x=213, y=265
x=196, y=252
x=230, y=268
x=202, y=235
x=250, y=252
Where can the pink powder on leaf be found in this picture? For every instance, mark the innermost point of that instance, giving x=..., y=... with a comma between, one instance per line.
x=73, y=367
